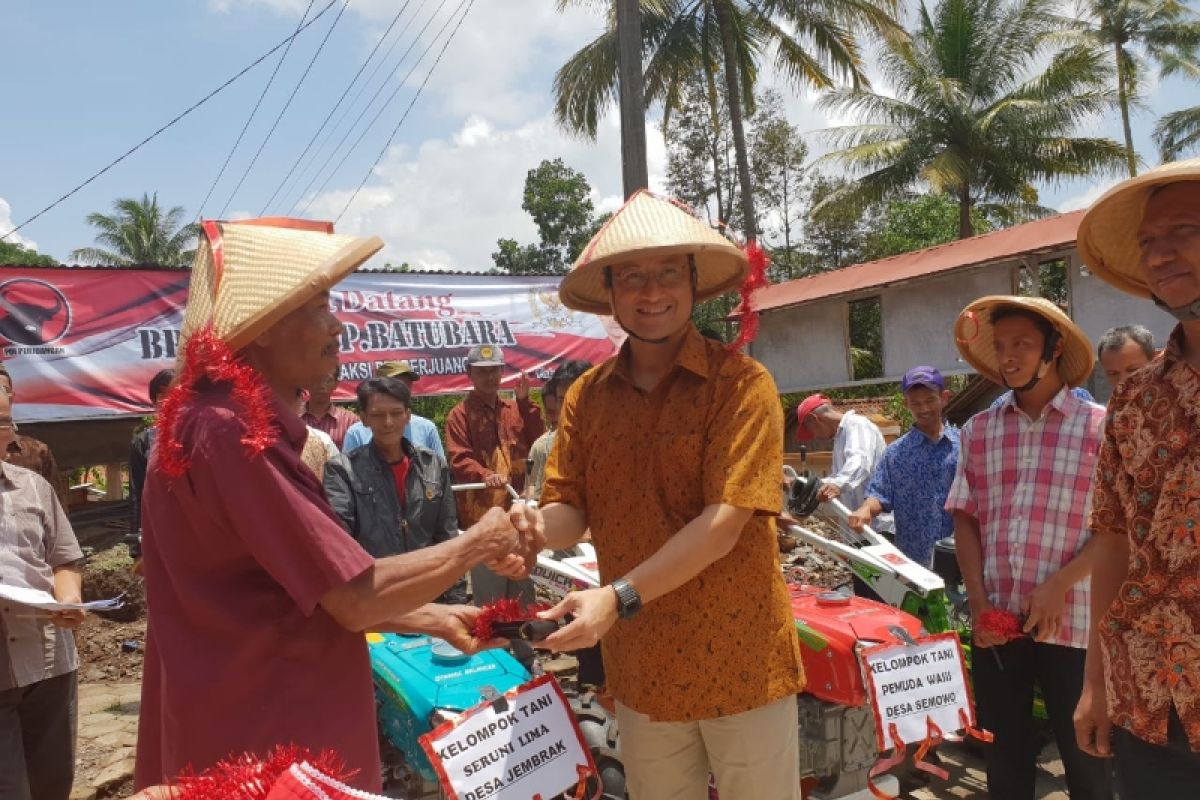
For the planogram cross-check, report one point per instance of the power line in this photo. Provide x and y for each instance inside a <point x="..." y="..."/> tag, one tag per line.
<point x="345" y="112"/>
<point x="417" y="96"/>
<point x="386" y="104"/>
<point x="367" y="107"/>
<point x="253" y="111"/>
<point x="286" y="106"/>
<point x="333" y="110"/>
<point x="154" y="135"/>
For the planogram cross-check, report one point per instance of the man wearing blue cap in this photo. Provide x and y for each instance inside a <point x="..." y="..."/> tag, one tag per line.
<point x="914" y="476"/>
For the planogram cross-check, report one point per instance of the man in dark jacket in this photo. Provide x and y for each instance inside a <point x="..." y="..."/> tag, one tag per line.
<point x="139" y="458"/>
<point x="392" y="496"/>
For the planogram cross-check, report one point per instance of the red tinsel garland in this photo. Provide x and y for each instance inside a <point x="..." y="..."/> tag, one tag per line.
<point x="207" y="356"/>
<point x="248" y="777"/>
<point x="1001" y="623"/>
<point x="506" y="609"/>
<point x="756" y="279"/>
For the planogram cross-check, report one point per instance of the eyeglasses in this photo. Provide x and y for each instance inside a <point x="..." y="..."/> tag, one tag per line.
<point x="8" y="425"/>
<point x="668" y="277"/>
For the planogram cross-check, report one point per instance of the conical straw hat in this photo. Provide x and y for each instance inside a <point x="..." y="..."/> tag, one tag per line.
<point x="249" y="274"/>
<point x="1107" y="237"/>
<point x="973" y="335"/>
<point x="648" y="225"/>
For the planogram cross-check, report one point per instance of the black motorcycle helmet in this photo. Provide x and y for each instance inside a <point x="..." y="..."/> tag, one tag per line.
<point x="802" y="499"/>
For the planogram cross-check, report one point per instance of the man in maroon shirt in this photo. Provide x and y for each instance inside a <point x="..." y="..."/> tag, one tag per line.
<point x="488" y="439"/>
<point x="258" y="598"/>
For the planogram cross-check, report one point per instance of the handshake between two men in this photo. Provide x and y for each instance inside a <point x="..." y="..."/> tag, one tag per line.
<point x="396" y="594"/>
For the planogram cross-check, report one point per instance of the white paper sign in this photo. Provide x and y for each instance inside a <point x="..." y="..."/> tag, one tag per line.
<point x="910" y="685"/>
<point x="44" y="601"/>
<point x="532" y="749"/>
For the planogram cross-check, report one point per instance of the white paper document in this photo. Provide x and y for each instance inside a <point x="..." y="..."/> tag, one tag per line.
<point x="44" y="601"/>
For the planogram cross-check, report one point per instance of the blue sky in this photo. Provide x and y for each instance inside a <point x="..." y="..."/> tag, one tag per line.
<point x="83" y="81"/>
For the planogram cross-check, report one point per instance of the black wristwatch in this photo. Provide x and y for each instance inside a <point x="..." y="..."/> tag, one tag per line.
<point x="629" y="602"/>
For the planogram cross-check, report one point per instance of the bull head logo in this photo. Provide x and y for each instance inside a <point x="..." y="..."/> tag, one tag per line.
<point x="27" y="307"/>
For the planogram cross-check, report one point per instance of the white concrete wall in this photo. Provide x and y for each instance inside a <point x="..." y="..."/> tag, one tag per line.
<point x="804" y="347"/>
<point x="918" y="317"/>
<point x="1096" y="307"/>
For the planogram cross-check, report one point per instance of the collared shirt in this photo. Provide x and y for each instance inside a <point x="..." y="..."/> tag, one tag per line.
<point x="640" y="466"/>
<point x="1029" y="484"/>
<point x="912" y="481"/>
<point x="240" y="656"/>
<point x="335" y="422"/>
<point x="539" y="454"/>
<point x="34" y="454"/>
<point x="1148" y="487"/>
<point x="35" y="538"/>
<point x="1078" y="392"/>
<point x="483" y="439"/>
<point x="858" y="446"/>
<point x="420" y="431"/>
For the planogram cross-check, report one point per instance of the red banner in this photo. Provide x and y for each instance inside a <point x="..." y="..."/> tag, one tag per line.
<point x="83" y="343"/>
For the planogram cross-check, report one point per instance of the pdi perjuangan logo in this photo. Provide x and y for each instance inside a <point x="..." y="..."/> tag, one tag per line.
<point x="33" y="313"/>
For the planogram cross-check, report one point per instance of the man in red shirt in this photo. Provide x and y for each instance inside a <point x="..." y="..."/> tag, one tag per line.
<point x="258" y="598"/>
<point x="320" y="412"/>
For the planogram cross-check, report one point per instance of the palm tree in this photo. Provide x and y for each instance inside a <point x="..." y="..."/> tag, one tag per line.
<point x="140" y="232"/>
<point x="1177" y="132"/>
<point x="972" y="116"/>
<point x="1134" y="33"/>
<point x="814" y="44"/>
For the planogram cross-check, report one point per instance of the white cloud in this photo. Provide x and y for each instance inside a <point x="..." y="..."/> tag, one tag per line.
<point x="1088" y="196"/>
<point x="444" y="204"/>
<point x="7" y="224"/>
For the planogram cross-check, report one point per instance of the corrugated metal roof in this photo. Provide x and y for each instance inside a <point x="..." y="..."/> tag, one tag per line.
<point x="1032" y="237"/>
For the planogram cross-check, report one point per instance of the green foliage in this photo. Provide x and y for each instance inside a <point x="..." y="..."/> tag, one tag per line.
<point x="700" y="155"/>
<point x="984" y="106"/>
<point x="435" y="409"/>
<point x="1177" y="133"/>
<point x="709" y="316"/>
<point x="834" y="237"/>
<point x="913" y="223"/>
<point x="19" y="255"/>
<point x="866" y="338"/>
<point x="559" y="200"/>
<point x="140" y="232"/>
<point x="777" y="157"/>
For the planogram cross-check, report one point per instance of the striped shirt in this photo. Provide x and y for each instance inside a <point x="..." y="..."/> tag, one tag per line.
<point x="858" y="448"/>
<point x="1029" y="484"/>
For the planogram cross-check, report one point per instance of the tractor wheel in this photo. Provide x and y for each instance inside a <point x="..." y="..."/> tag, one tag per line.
<point x="599" y="729"/>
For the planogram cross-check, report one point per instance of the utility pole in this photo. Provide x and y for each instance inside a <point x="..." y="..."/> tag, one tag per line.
<point x="632" y="95"/>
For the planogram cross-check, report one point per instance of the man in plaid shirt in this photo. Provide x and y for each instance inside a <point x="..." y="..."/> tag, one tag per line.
<point x="1019" y="500"/>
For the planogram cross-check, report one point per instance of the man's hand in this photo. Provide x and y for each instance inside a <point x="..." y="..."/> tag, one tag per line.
<point x="595" y="612"/>
<point x="455" y="623"/>
<point x="1093" y="728"/>
<point x="528" y="520"/>
<point x="1043" y="610"/>
<point x="980" y="636"/>
<point x="496" y="480"/>
<point x="522" y="388"/>
<point x="68" y="619"/>
<point x="860" y="517"/>
<point x="828" y="491"/>
<point x="496" y="534"/>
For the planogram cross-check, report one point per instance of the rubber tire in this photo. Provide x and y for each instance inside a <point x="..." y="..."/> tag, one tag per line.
<point x="600" y="731"/>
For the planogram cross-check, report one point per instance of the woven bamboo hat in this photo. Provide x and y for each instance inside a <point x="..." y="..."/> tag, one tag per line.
<point x="649" y="225"/>
<point x="250" y="274"/>
<point x="973" y="334"/>
<point x="1107" y="237"/>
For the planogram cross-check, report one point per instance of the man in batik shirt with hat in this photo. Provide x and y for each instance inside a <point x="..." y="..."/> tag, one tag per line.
<point x="488" y="438"/>
<point x="258" y="598"/>
<point x="1019" y="499"/>
<point x="670" y="453"/>
<point x="1141" y="701"/>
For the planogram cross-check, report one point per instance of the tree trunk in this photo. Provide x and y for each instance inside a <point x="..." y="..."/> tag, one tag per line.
<point x="714" y="110"/>
<point x="1123" y="99"/>
<point x="965" y="228"/>
<point x="729" y="47"/>
<point x="632" y="92"/>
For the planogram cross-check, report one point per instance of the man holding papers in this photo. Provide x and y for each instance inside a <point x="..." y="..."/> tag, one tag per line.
<point x="38" y="551"/>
